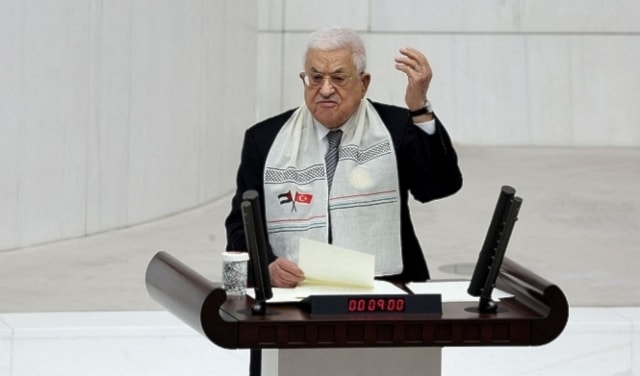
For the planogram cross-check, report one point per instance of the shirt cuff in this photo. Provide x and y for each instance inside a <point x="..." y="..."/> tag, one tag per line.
<point x="429" y="127"/>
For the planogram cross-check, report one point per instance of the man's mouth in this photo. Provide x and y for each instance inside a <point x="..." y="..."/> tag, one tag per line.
<point x="327" y="104"/>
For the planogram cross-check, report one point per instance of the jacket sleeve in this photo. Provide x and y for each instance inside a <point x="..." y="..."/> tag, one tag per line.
<point x="428" y="163"/>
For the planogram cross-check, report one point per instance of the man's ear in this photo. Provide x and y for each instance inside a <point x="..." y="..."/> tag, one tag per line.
<point x="366" y="80"/>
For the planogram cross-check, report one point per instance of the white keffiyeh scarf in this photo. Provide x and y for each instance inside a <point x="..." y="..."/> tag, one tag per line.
<point x="364" y="206"/>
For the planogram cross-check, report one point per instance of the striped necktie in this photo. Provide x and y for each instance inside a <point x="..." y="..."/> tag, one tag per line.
<point x="331" y="158"/>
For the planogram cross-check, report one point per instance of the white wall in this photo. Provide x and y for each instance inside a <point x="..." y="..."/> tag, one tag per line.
<point x="117" y="112"/>
<point x="506" y="72"/>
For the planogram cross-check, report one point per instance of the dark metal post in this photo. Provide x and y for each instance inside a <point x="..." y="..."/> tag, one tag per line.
<point x="255" y="362"/>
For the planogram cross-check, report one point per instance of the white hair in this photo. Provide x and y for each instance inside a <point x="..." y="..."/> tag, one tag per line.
<point x="336" y="38"/>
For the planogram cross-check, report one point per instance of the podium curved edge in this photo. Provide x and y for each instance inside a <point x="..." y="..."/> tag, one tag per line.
<point x="546" y="330"/>
<point x="223" y="331"/>
<point x="539" y="295"/>
<point x="190" y="297"/>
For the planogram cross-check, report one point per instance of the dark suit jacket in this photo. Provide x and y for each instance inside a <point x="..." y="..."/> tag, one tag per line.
<point x="427" y="167"/>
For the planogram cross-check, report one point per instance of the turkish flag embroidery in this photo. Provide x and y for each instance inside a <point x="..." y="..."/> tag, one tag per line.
<point x="304" y="198"/>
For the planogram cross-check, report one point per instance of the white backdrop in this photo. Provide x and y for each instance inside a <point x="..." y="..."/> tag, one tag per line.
<point x="118" y="112"/>
<point x="506" y="72"/>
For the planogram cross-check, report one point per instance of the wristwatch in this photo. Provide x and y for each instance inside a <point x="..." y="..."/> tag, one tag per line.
<point x="427" y="109"/>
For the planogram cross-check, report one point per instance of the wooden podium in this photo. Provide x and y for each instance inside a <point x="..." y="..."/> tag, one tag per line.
<point x="536" y="315"/>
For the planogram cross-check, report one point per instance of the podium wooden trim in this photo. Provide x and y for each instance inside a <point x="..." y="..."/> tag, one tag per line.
<point x="536" y="315"/>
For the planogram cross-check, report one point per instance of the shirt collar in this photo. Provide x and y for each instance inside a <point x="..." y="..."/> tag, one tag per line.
<point x="321" y="130"/>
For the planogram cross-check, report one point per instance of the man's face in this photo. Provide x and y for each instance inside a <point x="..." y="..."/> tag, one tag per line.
<point x="333" y="104"/>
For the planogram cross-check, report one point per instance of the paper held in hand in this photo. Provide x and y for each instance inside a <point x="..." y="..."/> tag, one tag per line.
<point x="327" y="264"/>
<point x="331" y="270"/>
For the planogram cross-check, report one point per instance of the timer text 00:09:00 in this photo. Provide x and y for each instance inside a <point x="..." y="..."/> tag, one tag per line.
<point x="395" y="304"/>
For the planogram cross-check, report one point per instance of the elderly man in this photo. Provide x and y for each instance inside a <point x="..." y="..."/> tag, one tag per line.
<point x="339" y="167"/>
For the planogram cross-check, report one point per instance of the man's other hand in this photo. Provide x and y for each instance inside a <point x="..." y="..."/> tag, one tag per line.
<point x="285" y="273"/>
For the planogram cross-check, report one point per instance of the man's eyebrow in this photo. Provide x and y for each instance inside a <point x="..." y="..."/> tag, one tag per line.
<point x="337" y="70"/>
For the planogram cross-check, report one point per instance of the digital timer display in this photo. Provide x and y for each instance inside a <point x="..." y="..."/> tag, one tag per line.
<point x="389" y="304"/>
<point x="373" y="304"/>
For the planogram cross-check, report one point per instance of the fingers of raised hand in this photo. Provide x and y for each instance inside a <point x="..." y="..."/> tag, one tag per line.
<point x="413" y="63"/>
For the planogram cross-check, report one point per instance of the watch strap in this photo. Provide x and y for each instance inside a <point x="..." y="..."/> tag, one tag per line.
<point x="422" y="111"/>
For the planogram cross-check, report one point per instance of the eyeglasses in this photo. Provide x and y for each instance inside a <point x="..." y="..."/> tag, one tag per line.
<point x="317" y="79"/>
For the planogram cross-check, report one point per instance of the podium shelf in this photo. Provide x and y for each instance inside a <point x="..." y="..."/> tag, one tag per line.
<point x="536" y="315"/>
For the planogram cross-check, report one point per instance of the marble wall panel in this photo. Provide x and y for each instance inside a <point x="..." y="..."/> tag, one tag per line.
<point x="491" y="89"/>
<point x="551" y="114"/>
<point x="270" y="75"/>
<point x="108" y="132"/>
<point x="270" y="15"/>
<point x="506" y="72"/>
<point x="11" y="117"/>
<point x="308" y="15"/>
<point x="576" y="16"/>
<point x="604" y="89"/>
<point x="236" y="95"/>
<point x="511" y="16"/>
<point x="48" y="136"/>
<point x="292" y="87"/>
<point x="436" y="16"/>
<point x="167" y="71"/>
<point x="119" y="112"/>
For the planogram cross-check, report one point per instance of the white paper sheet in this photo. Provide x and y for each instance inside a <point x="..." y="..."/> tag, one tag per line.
<point x="329" y="264"/>
<point x="451" y="291"/>
<point x="296" y="294"/>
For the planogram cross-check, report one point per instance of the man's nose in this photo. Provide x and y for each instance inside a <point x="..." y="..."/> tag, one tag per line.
<point x="326" y="88"/>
